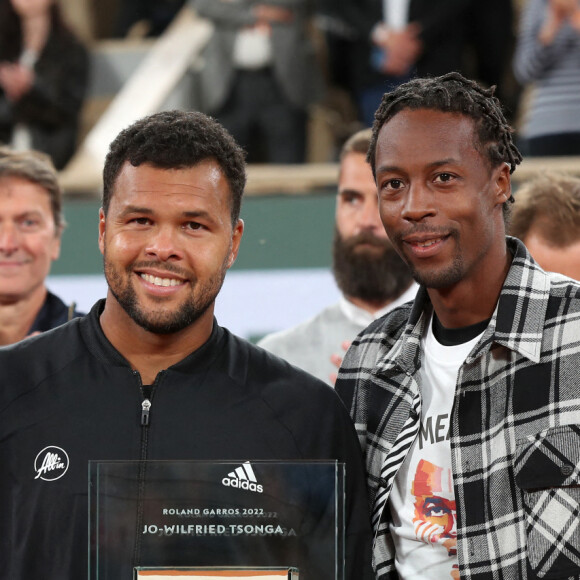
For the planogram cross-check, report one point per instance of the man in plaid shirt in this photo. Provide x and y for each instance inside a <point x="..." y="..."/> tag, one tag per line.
<point x="466" y="401"/>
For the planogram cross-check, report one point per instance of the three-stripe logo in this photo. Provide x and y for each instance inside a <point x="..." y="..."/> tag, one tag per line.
<point x="243" y="477"/>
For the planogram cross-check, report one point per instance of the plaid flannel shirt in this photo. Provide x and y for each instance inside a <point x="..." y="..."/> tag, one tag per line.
<point x="514" y="430"/>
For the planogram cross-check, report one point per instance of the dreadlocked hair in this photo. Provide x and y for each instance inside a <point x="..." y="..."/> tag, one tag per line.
<point x="453" y="93"/>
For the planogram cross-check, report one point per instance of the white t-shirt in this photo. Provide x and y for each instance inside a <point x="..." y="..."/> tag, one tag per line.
<point x="422" y="501"/>
<point x="253" y="48"/>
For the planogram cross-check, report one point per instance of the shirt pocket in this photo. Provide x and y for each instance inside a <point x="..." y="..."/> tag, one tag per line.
<point x="548" y="474"/>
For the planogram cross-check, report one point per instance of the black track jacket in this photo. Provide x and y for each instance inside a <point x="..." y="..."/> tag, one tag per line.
<point x="69" y="388"/>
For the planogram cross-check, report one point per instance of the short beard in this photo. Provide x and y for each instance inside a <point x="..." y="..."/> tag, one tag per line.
<point x="443" y="278"/>
<point x="438" y="279"/>
<point x="373" y="276"/>
<point x="160" y="323"/>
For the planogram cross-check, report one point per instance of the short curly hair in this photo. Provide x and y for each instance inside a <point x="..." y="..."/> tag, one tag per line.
<point x="177" y="140"/>
<point x="453" y="93"/>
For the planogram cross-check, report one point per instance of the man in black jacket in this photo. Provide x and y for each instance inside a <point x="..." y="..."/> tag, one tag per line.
<point x="149" y="375"/>
<point x="31" y="225"/>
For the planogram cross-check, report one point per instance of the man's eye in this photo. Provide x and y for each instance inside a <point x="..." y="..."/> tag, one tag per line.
<point x="436" y="512"/>
<point x="193" y="225"/>
<point x="393" y="184"/>
<point x="444" y="177"/>
<point x="350" y="198"/>
<point x="30" y="223"/>
<point x="141" y="221"/>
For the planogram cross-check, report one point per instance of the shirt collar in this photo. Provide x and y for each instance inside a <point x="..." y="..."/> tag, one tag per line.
<point x="363" y="317"/>
<point x="53" y="312"/>
<point x="517" y="322"/>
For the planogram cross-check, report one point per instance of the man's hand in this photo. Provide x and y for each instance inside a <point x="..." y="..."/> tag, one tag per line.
<point x="16" y="80"/>
<point x="268" y="14"/>
<point x="575" y="19"/>
<point x="562" y="8"/>
<point x="336" y="360"/>
<point x="559" y="11"/>
<point x="402" y="48"/>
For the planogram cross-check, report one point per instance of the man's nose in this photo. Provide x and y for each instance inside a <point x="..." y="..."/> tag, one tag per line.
<point x="9" y="238"/>
<point x="164" y="244"/>
<point x="369" y="218"/>
<point x="418" y="203"/>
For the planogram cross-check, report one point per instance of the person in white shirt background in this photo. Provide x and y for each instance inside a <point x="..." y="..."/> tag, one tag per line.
<point x="369" y="273"/>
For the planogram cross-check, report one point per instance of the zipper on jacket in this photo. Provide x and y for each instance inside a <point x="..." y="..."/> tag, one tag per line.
<point x="145" y="407"/>
<point x="146" y="414"/>
<point x="142" y="470"/>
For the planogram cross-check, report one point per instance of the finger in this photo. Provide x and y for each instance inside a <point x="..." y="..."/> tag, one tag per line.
<point x="336" y="360"/>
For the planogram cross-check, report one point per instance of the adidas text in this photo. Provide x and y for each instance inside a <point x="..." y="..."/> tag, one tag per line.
<point x="243" y="484"/>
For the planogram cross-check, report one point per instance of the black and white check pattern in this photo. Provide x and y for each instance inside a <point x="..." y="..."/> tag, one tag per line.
<point x="515" y="426"/>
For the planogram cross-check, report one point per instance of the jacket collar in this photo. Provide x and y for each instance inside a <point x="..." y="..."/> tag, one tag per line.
<point x="100" y="346"/>
<point x="54" y="312"/>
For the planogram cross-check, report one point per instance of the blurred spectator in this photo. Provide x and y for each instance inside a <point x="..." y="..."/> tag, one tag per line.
<point x="338" y="36"/>
<point x="490" y="54"/>
<point x="548" y="55"/>
<point x="31" y="225"/>
<point x="156" y="14"/>
<point x="546" y="217"/>
<point x="396" y="39"/>
<point x="260" y="74"/>
<point x="370" y="274"/>
<point x="43" y="78"/>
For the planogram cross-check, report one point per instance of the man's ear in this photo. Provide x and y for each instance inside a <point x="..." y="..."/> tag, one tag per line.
<point x="102" y="231"/>
<point x="55" y="244"/>
<point x="236" y="239"/>
<point x="502" y="184"/>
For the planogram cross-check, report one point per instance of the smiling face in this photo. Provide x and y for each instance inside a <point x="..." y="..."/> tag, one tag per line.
<point x="439" y="200"/>
<point x="29" y="239"/>
<point x="167" y="242"/>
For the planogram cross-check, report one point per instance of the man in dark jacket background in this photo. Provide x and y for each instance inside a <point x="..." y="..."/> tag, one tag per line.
<point x="31" y="225"/>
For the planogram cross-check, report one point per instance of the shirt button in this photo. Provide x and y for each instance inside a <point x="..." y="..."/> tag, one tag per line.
<point x="566" y="470"/>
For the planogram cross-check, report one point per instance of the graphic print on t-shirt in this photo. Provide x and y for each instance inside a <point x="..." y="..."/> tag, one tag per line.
<point x="435" y="514"/>
<point x="422" y="501"/>
<point x="423" y="508"/>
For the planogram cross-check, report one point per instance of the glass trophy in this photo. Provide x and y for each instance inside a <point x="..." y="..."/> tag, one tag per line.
<point x="157" y="520"/>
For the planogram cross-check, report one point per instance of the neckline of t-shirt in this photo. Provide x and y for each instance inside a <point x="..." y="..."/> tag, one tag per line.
<point x="456" y="336"/>
<point x="447" y="355"/>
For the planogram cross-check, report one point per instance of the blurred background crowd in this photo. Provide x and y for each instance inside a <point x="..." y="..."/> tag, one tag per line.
<point x="292" y="79"/>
